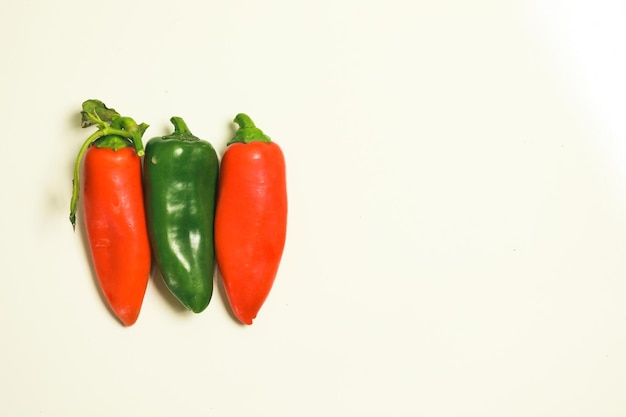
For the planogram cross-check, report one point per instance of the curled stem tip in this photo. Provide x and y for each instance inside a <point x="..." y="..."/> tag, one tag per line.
<point x="244" y="121"/>
<point x="180" y="127"/>
<point x="248" y="132"/>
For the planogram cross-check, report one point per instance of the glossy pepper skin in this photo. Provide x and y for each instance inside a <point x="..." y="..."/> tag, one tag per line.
<point x="251" y="218"/>
<point x="180" y="177"/>
<point x="114" y="213"/>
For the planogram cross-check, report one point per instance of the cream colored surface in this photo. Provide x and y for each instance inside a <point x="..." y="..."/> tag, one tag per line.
<point x="457" y="231"/>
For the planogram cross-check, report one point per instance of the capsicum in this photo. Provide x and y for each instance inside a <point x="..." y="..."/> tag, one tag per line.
<point x="180" y="177"/>
<point x="113" y="205"/>
<point x="251" y="218"/>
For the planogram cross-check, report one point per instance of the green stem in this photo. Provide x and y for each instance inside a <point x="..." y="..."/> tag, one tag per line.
<point x="121" y="126"/>
<point x="130" y="130"/>
<point x="180" y="127"/>
<point x="76" y="180"/>
<point x="181" y="131"/>
<point x="244" y="121"/>
<point x="248" y="132"/>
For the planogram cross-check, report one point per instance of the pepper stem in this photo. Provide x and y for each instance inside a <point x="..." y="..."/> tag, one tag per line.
<point x="124" y="127"/>
<point x="132" y="131"/>
<point x="180" y="127"/>
<point x="181" y="131"/>
<point x="248" y="132"/>
<point x="244" y="121"/>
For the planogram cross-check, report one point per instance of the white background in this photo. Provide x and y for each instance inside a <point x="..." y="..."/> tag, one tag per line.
<point x="457" y="186"/>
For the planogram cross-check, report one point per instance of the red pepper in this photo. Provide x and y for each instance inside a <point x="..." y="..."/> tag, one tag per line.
<point x="251" y="218"/>
<point x="114" y="211"/>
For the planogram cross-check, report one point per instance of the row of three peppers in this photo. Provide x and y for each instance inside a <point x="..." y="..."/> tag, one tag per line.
<point x="186" y="210"/>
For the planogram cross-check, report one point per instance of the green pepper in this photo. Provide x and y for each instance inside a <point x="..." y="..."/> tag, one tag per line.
<point x="180" y="175"/>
